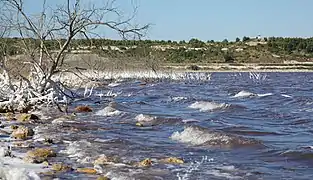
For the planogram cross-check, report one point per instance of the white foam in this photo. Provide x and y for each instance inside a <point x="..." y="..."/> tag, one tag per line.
<point x="195" y="136"/>
<point x="108" y="111"/>
<point x="7" y="173"/>
<point x="144" y="118"/>
<point x="113" y="84"/>
<point x="17" y="169"/>
<point x="185" y="173"/>
<point x="286" y="96"/>
<point x="208" y="106"/>
<point x="189" y="120"/>
<point x="76" y="151"/>
<point x="4" y="151"/>
<point x="222" y="174"/>
<point x="179" y="98"/>
<point x="264" y="95"/>
<point x="60" y="120"/>
<point x="243" y="94"/>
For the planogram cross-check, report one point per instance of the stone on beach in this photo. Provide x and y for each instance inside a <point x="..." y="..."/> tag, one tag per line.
<point x="39" y="155"/>
<point x="26" y="117"/>
<point x="145" y="163"/>
<point x="86" y="170"/>
<point x="22" y="132"/>
<point x="82" y="109"/>
<point x="103" y="178"/>
<point x="172" y="160"/>
<point x="61" y="167"/>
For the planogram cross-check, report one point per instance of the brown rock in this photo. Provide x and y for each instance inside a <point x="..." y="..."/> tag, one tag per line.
<point x="26" y="117"/>
<point x="39" y="155"/>
<point x="103" y="178"/>
<point x="81" y="109"/>
<point x="145" y="163"/>
<point x="9" y="116"/>
<point x="61" y="167"/>
<point x="13" y="127"/>
<point x="22" y="132"/>
<point x="172" y="160"/>
<point x="86" y="170"/>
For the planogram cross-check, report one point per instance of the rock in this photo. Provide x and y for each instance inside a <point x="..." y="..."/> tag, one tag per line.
<point x="39" y="155"/>
<point x="45" y="163"/>
<point x="6" y="109"/>
<point x="26" y="117"/>
<point x="48" y="141"/>
<point x="172" y="160"/>
<point x="9" y="116"/>
<point x="81" y="109"/>
<point x="13" y="127"/>
<point x="103" y="178"/>
<point x="22" y="132"/>
<point x="5" y="152"/>
<point x="139" y="124"/>
<point x="86" y="170"/>
<point x="61" y="167"/>
<point x="145" y="163"/>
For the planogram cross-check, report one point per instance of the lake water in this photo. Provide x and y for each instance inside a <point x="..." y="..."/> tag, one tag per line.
<point x="233" y="126"/>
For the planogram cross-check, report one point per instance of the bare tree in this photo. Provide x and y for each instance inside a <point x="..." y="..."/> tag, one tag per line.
<point x="61" y="23"/>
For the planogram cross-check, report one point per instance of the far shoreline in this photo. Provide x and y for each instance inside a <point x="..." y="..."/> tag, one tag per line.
<point x="242" y="67"/>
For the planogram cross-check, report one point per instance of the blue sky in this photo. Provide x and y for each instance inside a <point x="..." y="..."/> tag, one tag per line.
<point x="220" y="19"/>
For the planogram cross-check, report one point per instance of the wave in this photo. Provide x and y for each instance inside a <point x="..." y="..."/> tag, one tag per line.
<point x="199" y="136"/>
<point x="303" y="155"/>
<point x="147" y="120"/>
<point x="108" y="111"/>
<point x="77" y="150"/>
<point x="286" y="95"/>
<point x="208" y="106"/>
<point x="178" y="98"/>
<point x="245" y="94"/>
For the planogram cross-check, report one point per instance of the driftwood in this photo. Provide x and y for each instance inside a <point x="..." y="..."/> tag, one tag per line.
<point x="42" y="84"/>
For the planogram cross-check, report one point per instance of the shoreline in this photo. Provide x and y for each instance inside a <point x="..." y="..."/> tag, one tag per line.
<point x="242" y="67"/>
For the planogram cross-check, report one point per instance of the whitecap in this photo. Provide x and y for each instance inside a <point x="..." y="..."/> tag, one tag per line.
<point x="179" y="98"/>
<point x="243" y="94"/>
<point x="286" y="96"/>
<point x="113" y="84"/>
<point x="4" y="151"/>
<point x="208" y="106"/>
<point x="17" y="169"/>
<point x="222" y="174"/>
<point x="76" y="151"/>
<point x="8" y="173"/>
<point x="189" y="120"/>
<point x="108" y="111"/>
<point x="145" y="118"/>
<point x="60" y="120"/>
<point x="264" y="95"/>
<point x="195" y="135"/>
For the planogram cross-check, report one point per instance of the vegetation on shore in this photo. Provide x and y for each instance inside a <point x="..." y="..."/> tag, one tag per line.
<point x="247" y="50"/>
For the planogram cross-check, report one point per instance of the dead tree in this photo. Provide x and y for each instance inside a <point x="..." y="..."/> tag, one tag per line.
<point x="60" y="23"/>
